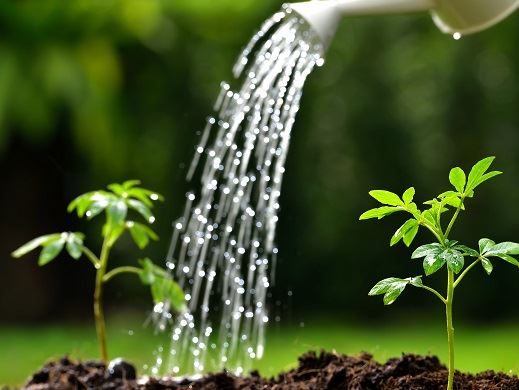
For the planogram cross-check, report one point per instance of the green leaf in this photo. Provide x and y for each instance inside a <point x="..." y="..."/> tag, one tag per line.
<point x="386" y="197"/>
<point x="508" y="258"/>
<point x="117" y="189"/>
<point x="432" y="263"/>
<point x="50" y="250"/>
<point x="429" y="216"/>
<point x="485" y="244"/>
<point x="142" y="209"/>
<point x="427" y="250"/>
<point x="408" y="195"/>
<point x="487" y="176"/>
<point x="454" y="259"/>
<point x="166" y="290"/>
<point x="117" y="213"/>
<point x="410" y="235"/>
<point x="379" y="212"/>
<point x="507" y="248"/>
<point x="141" y="234"/>
<point x="466" y="251"/>
<point x="402" y="230"/>
<point x="454" y="201"/>
<point x="128" y="184"/>
<point x="393" y="287"/>
<point x="447" y="194"/>
<point x="458" y="179"/>
<point x="33" y="244"/>
<point x="487" y="265"/>
<point x="75" y="245"/>
<point x="477" y="172"/>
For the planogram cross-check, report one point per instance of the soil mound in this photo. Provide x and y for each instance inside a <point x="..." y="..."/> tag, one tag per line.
<point x="325" y="370"/>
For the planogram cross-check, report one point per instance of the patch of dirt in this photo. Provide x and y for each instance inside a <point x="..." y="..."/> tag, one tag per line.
<point x="327" y="371"/>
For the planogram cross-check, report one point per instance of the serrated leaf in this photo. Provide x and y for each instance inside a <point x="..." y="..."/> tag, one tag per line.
<point x="477" y="172"/>
<point x="507" y="248"/>
<point x="379" y="212"/>
<point x="485" y="244"/>
<point x="487" y="265"/>
<point x="51" y="250"/>
<point x="386" y="197"/>
<point x="432" y="263"/>
<point x="426" y="250"/>
<point x="454" y="259"/>
<point x="402" y="230"/>
<point x="410" y="235"/>
<point x="33" y="244"/>
<point x="408" y="195"/>
<point x="465" y="250"/>
<point x="457" y="178"/>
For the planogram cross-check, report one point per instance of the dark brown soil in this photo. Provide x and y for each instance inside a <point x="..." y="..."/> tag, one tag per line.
<point x="315" y="371"/>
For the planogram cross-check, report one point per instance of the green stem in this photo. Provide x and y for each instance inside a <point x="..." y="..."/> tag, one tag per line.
<point x="98" y="301"/>
<point x="454" y="217"/>
<point x="90" y="255"/>
<point x="120" y="270"/>
<point x="450" y="328"/>
<point x="465" y="272"/>
<point x="435" y="293"/>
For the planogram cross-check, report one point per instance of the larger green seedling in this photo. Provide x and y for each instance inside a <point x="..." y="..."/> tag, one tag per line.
<point x="116" y="205"/>
<point x="445" y="251"/>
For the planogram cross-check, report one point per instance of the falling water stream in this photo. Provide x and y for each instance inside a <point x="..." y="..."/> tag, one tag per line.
<point x="223" y="251"/>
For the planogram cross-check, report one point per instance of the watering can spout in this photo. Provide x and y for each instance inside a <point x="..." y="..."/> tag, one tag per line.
<point x="451" y="16"/>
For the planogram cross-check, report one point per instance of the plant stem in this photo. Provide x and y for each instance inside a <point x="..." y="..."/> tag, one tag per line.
<point x="120" y="270"/>
<point x="454" y="217"/>
<point x="98" y="301"/>
<point x="90" y="255"/>
<point x="435" y="293"/>
<point x="466" y="271"/>
<point x="450" y="328"/>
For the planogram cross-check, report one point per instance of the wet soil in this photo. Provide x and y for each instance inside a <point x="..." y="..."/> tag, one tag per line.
<point x="315" y="371"/>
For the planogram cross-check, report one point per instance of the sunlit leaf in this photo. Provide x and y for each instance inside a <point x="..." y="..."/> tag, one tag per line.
<point x="379" y="212"/>
<point x="432" y="263"/>
<point x="485" y="244"/>
<point x="402" y="230"/>
<point x="410" y="235"/>
<point x="477" y="172"/>
<point x="457" y="178"/>
<point x="386" y="197"/>
<point x="455" y="260"/>
<point x="393" y="287"/>
<point x="408" y="195"/>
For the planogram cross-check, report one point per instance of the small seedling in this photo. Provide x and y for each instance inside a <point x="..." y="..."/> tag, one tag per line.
<point x="445" y="251"/>
<point x="116" y="205"/>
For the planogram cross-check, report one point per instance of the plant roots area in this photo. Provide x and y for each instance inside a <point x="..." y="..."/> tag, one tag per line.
<point x="315" y="371"/>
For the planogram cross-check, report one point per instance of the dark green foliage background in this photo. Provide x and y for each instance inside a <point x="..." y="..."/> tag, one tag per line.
<point x="93" y="92"/>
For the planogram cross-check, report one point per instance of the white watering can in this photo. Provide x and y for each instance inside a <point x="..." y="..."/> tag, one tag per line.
<point x="457" y="17"/>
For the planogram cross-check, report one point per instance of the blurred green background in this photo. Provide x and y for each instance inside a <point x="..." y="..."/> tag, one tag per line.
<point x="93" y="92"/>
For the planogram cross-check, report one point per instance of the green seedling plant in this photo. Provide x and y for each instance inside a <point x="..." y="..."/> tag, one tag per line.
<point x="117" y="204"/>
<point x="444" y="251"/>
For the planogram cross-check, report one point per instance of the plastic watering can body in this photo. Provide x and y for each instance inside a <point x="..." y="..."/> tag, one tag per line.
<point x="451" y="16"/>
